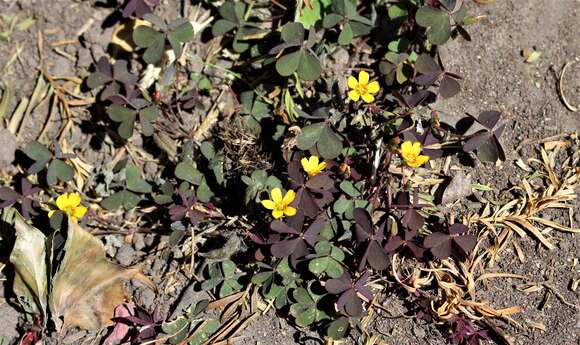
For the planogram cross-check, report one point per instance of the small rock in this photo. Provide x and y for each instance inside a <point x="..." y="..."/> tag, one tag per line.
<point x="7" y="149"/>
<point x="139" y="241"/>
<point x="146" y="297"/>
<point x="419" y="332"/>
<point x="125" y="255"/>
<point x="460" y="187"/>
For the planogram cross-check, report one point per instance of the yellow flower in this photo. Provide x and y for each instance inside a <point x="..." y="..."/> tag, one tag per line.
<point x="361" y="88"/>
<point x="279" y="205"/>
<point x="312" y="166"/>
<point x="411" y="153"/>
<point x="70" y="203"/>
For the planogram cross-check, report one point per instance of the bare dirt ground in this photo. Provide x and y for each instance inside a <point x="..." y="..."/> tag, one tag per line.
<point x="495" y="77"/>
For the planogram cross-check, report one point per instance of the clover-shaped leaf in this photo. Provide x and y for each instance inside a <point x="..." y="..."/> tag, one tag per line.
<point x="306" y="311"/>
<point x="303" y="61"/>
<point x="113" y="77"/>
<point x="176" y="33"/>
<point x="328" y="259"/>
<point x="437" y="23"/>
<point x="58" y="170"/>
<point x="455" y="241"/>
<point x="127" y="110"/>
<point x="486" y="141"/>
<point x="321" y="137"/>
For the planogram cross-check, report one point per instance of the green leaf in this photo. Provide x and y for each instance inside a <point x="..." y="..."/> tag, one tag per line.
<point x="183" y="33"/>
<point x="207" y="150"/>
<point x="329" y="144"/>
<point x="260" y="278"/>
<point x="221" y="27"/>
<point x="337" y="329"/>
<point x="204" y="193"/>
<point x="330" y="20"/>
<point x="288" y="64"/>
<point x="437" y="23"/>
<point x="396" y="11"/>
<point x="154" y="53"/>
<point x="293" y="32"/>
<point x="187" y="172"/>
<point x="177" y="329"/>
<point x="123" y="198"/>
<point x="119" y="113"/>
<point x="59" y="170"/>
<point x="305" y="314"/>
<point x="349" y="188"/>
<point x="309" y="136"/>
<point x="318" y="265"/>
<point x="308" y="16"/>
<point x="346" y="35"/>
<point x="38" y="152"/>
<point x="147" y="116"/>
<point x="145" y="37"/>
<point x="334" y="269"/>
<point x="201" y="335"/>
<point x="309" y="68"/>
<point x="134" y="181"/>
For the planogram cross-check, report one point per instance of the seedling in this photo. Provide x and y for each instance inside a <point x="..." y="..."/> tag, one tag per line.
<point x="486" y="141"/>
<point x="302" y="61"/>
<point x="58" y="170"/>
<point x="454" y="241"/>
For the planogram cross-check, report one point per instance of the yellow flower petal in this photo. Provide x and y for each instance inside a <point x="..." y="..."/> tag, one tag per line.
<point x="354" y="95"/>
<point x="406" y="147"/>
<point x="79" y="212"/>
<point x="276" y="195"/>
<point x="305" y="164"/>
<point x="277" y="214"/>
<point x="268" y="204"/>
<point x="352" y="82"/>
<point x="74" y="199"/>
<point x="368" y="98"/>
<point x="321" y="166"/>
<point x="289" y="197"/>
<point x="290" y="211"/>
<point x="62" y="201"/>
<point x="363" y="77"/>
<point x="51" y="213"/>
<point x="313" y="161"/>
<point x="416" y="150"/>
<point x="422" y="160"/>
<point x="373" y="87"/>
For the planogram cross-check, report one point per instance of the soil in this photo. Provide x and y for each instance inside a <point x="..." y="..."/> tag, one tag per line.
<point x="495" y="78"/>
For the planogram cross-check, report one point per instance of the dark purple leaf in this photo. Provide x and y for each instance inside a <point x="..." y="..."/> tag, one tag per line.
<point x="393" y="244"/>
<point x="350" y="304"/>
<point x="338" y="285"/>
<point x="449" y="87"/>
<point x="436" y="239"/>
<point x="465" y="242"/>
<point x="457" y="229"/>
<point x="442" y="251"/>
<point x="425" y="64"/>
<point x="427" y="79"/>
<point x="363" y="220"/>
<point x="285" y="248"/>
<point x="412" y="219"/>
<point x="307" y="203"/>
<point x="489" y="151"/>
<point x="320" y="181"/>
<point x="295" y="172"/>
<point x="8" y="194"/>
<point x="476" y="141"/>
<point x="282" y="228"/>
<point x="489" y="119"/>
<point x="376" y="256"/>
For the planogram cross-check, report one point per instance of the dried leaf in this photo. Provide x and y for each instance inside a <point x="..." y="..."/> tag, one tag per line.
<point x="29" y="260"/>
<point x="87" y="287"/>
